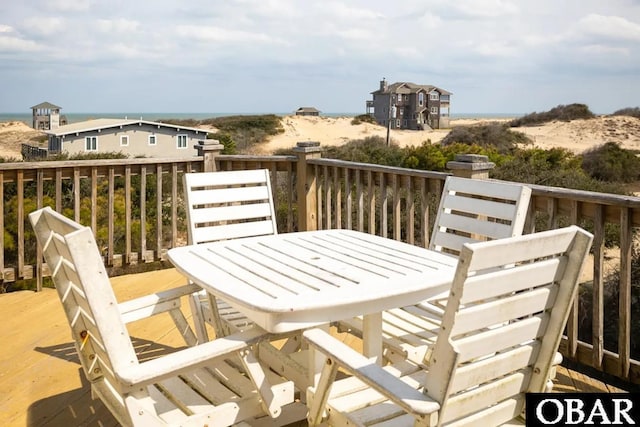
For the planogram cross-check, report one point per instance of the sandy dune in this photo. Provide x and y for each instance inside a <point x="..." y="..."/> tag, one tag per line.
<point x="576" y="135"/>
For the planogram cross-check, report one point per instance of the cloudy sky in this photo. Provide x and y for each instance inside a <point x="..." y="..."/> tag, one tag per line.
<point x="256" y="56"/>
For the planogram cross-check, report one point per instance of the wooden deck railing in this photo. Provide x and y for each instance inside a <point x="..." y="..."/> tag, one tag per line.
<point x="135" y="208"/>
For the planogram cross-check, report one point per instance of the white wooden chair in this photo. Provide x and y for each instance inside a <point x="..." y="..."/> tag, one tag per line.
<point x="208" y="384"/>
<point x="502" y="325"/>
<point x="220" y="206"/>
<point x="231" y="205"/>
<point x="470" y="211"/>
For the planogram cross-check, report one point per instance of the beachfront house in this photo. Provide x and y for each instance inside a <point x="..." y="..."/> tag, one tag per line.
<point x="307" y="111"/>
<point x="46" y="116"/>
<point x="404" y="105"/>
<point x="132" y="137"/>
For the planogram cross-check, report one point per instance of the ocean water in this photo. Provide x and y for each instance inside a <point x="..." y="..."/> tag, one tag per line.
<point x="80" y="117"/>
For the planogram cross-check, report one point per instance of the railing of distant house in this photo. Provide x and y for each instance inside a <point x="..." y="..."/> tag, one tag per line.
<point x="32" y="152"/>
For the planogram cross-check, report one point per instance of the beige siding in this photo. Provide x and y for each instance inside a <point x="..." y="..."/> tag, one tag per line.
<point x="109" y="141"/>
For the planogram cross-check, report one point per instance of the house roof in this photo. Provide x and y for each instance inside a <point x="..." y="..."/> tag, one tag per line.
<point x="98" y="124"/>
<point x="308" y="110"/>
<point x="408" y="87"/>
<point x="46" y="105"/>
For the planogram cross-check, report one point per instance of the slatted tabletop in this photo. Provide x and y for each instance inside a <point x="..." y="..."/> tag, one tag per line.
<point x="294" y="281"/>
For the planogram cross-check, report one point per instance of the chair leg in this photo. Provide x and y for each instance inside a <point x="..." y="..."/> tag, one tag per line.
<point x="198" y="318"/>
<point x="184" y="328"/>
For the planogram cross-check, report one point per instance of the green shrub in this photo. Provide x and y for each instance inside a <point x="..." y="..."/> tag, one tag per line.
<point x="497" y="135"/>
<point x="363" y="118"/>
<point x="373" y="149"/>
<point x="631" y="111"/>
<point x="226" y="140"/>
<point x="561" y="112"/>
<point x="610" y="162"/>
<point x="434" y="157"/>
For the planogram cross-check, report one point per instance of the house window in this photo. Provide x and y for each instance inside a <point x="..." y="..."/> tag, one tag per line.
<point x="434" y="110"/>
<point x="433" y="96"/>
<point x="152" y="140"/>
<point x="124" y="140"/>
<point x="181" y="141"/>
<point x="91" y="143"/>
<point x="406" y="123"/>
<point x="421" y="99"/>
<point x="398" y="123"/>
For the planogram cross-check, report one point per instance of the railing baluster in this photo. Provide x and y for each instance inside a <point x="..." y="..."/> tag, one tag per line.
<point x="411" y="211"/>
<point x="94" y="200"/>
<point x="39" y="196"/>
<point x="20" y="218"/>
<point x="174" y="205"/>
<point x="159" y="201"/>
<point x="598" y="288"/>
<point x="76" y="194"/>
<point x="397" y="215"/>
<point x="320" y="188"/>
<point x="143" y="214"/>
<point x="127" y="215"/>
<point x="58" y="190"/>
<point x="384" y="205"/>
<point x="111" y="213"/>
<point x="624" y="308"/>
<point x="572" y="321"/>
<point x="371" y="202"/>
<point x="359" y="200"/>
<point x="337" y="185"/>
<point x="348" y="191"/>
<point x="424" y="212"/>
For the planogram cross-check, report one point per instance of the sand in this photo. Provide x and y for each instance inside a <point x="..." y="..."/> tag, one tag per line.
<point x="576" y="135"/>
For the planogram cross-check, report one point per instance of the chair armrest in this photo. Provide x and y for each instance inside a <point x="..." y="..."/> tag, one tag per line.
<point x="408" y="398"/>
<point x="170" y="365"/>
<point x="150" y="305"/>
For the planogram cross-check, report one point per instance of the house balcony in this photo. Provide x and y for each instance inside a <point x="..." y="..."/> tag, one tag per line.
<point x="135" y="208"/>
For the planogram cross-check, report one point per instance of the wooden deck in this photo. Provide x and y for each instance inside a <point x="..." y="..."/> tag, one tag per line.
<point x="41" y="382"/>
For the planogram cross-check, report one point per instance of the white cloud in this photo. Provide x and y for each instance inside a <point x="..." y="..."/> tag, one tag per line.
<point x="6" y="29"/>
<point x="120" y="26"/>
<point x="484" y="8"/>
<point x="609" y="27"/>
<point x="68" y="5"/>
<point x="223" y="35"/>
<point x="44" y="25"/>
<point x="15" y="44"/>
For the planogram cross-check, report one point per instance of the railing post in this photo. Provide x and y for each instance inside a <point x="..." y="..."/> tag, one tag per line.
<point x="306" y="185"/>
<point x="209" y="149"/>
<point x="474" y="166"/>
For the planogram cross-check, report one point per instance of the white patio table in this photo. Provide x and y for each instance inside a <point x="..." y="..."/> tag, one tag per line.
<point x="294" y="281"/>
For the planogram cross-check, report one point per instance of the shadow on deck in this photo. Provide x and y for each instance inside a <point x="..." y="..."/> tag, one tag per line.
<point x="40" y="375"/>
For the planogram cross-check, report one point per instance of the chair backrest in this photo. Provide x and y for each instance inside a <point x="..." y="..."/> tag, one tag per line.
<point x="81" y="281"/>
<point x="503" y="323"/>
<point x="229" y="205"/>
<point x="473" y="210"/>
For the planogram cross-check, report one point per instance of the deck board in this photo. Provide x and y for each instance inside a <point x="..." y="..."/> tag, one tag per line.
<point x="41" y="382"/>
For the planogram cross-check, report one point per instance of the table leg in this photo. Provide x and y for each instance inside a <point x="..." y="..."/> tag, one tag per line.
<point x="372" y="336"/>
<point x="316" y="361"/>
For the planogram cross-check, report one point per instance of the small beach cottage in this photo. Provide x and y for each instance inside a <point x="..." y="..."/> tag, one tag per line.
<point x="307" y="111"/>
<point x="404" y="105"/>
<point x="132" y="137"/>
